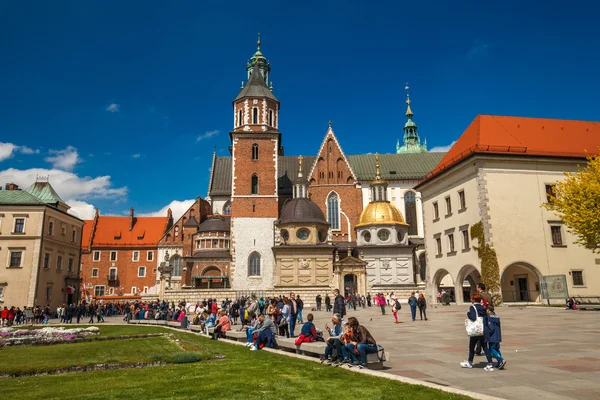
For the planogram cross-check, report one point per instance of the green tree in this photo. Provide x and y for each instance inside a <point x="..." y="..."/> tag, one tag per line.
<point x="490" y="269"/>
<point x="576" y="200"/>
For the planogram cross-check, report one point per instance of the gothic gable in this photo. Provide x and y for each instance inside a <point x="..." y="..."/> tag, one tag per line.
<point x="331" y="167"/>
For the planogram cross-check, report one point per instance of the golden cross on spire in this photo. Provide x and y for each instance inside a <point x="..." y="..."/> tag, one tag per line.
<point x="407" y="94"/>
<point x="377" y="174"/>
<point x="258" y="41"/>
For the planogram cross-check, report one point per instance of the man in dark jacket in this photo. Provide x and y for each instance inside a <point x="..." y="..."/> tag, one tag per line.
<point x="339" y="307"/>
<point x="485" y="300"/>
<point x="327" y="303"/>
<point x="293" y="313"/>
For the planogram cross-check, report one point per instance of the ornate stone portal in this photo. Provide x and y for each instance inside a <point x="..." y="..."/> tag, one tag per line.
<point x="350" y="276"/>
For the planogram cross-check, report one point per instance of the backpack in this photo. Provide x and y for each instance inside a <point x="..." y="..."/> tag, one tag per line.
<point x="397" y="305"/>
<point x="246" y="314"/>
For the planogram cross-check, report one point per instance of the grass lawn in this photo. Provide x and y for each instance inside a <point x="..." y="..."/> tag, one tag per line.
<point x="241" y="375"/>
<point x="47" y="358"/>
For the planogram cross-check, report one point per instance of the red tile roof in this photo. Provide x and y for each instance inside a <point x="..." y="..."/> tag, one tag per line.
<point x="114" y="231"/>
<point x="493" y="134"/>
<point x="85" y="234"/>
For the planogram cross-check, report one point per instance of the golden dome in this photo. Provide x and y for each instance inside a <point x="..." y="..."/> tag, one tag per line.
<point x="380" y="212"/>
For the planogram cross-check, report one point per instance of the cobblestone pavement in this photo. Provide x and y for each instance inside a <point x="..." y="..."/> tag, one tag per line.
<point x="551" y="353"/>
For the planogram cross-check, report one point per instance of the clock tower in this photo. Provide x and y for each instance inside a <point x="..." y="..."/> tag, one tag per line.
<point x="256" y="146"/>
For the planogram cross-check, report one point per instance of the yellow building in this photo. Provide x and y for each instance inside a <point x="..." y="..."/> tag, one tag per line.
<point x="40" y="248"/>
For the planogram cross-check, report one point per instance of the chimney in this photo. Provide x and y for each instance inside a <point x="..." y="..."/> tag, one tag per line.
<point x="11" y="186"/>
<point x="131" y="218"/>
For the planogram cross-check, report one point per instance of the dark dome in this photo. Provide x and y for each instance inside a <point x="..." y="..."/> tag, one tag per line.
<point x="215" y="224"/>
<point x="301" y="210"/>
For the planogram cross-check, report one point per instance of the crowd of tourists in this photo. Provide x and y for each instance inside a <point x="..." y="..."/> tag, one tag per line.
<point x="25" y="316"/>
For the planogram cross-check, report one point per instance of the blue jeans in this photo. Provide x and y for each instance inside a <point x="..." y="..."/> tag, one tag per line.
<point x="293" y="319"/>
<point x="300" y="319"/>
<point x="495" y="351"/>
<point x="249" y="333"/>
<point x="413" y="311"/>
<point x="363" y="350"/>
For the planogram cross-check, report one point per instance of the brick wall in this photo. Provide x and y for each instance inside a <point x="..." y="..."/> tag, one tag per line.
<point x="127" y="270"/>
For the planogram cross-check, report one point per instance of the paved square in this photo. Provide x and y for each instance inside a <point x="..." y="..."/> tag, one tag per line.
<point x="551" y="353"/>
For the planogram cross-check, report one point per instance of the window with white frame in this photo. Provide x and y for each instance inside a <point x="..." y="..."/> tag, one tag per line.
<point x="16" y="258"/>
<point x="141" y="272"/>
<point x="333" y="211"/>
<point x="99" y="290"/>
<point x="96" y="255"/>
<point x="46" y="260"/>
<point x="556" y="232"/>
<point x="448" y="206"/>
<point x="50" y="228"/>
<point x="461" y="200"/>
<point x="113" y="256"/>
<point x="136" y="255"/>
<point x="94" y="272"/>
<point x="577" y="276"/>
<point x="145" y="289"/>
<point x="19" y="225"/>
<point x="133" y="290"/>
<point x="70" y="267"/>
<point x="111" y="291"/>
<point x="74" y="235"/>
<point x="150" y="256"/>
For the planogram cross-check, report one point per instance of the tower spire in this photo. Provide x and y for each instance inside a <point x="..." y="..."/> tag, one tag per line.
<point x="300" y="183"/>
<point x="411" y="143"/>
<point x="258" y="41"/>
<point x="377" y="173"/>
<point x="409" y="113"/>
<point x="379" y="185"/>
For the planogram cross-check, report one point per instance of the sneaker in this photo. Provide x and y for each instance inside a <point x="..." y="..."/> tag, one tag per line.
<point x="501" y="365"/>
<point x="362" y="366"/>
<point x="466" y="364"/>
<point x="489" y="368"/>
<point x="322" y="358"/>
<point x="253" y="348"/>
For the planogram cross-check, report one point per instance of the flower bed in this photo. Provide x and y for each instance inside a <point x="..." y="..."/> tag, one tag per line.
<point x="16" y="337"/>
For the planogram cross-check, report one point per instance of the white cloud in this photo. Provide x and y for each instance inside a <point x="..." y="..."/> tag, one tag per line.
<point x="64" y="159"/>
<point x="113" y="108"/>
<point x="81" y="209"/>
<point x="6" y="150"/>
<point x="28" y="150"/>
<point x="207" y="135"/>
<point x="137" y="155"/>
<point x="442" y="149"/>
<point x="176" y="206"/>
<point x="68" y="185"/>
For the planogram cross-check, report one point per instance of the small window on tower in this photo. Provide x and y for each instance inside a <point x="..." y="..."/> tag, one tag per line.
<point x="255" y="151"/>
<point x="240" y="119"/>
<point x="254" y="184"/>
<point x="270" y="117"/>
<point x="255" y="115"/>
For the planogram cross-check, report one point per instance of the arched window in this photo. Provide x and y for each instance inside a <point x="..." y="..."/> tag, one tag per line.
<point x="254" y="264"/>
<point x="255" y="151"/>
<point x="255" y="115"/>
<point x="270" y="117"/>
<point x="410" y="208"/>
<point x="240" y="118"/>
<point x="227" y="208"/>
<point x="176" y="230"/>
<point x="333" y="211"/>
<point x="177" y="264"/>
<point x="254" y="184"/>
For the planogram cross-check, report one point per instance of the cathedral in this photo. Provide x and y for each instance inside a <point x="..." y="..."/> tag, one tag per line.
<point x="273" y="223"/>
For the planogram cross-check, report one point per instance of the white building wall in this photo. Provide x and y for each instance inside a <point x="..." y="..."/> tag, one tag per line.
<point x="250" y="235"/>
<point x="395" y="194"/>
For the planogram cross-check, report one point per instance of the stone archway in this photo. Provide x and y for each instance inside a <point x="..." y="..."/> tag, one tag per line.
<point x="520" y="282"/>
<point x="442" y="281"/>
<point x="470" y="275"/>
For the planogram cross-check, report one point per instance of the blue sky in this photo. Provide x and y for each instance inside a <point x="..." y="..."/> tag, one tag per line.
<point x="121" y="103"/>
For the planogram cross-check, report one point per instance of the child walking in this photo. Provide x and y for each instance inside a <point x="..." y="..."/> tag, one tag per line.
<point x="395" y="308"/>
<point x="493" y="335"/>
